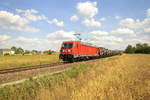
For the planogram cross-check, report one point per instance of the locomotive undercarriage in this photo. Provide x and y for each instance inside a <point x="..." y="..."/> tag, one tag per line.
<point x="72" y="58"/>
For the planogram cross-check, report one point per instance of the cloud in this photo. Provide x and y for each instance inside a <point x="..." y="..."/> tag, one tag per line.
<point x="30" y="14"/>
<point x="56" y="22"/>
<point x="4" y="37"/>
<point x="138" y="25"/>
<point x="87" y="9"/>
<point x="27" y="11"/>
<point x="15" y="22"/>
<point x="27" y="29"/>
<point x="123" y="31"/>
<point x="135" y="24"/>
<point x="147" y="30"/>
<point x="91" y="23"/>
<point x="74" y="18"/>
<point x="61" y="35"/>
<point x="7" y="17"/>
<point x="31" y="43"/>
<point x="148" y="12"/>
<point x="133" y="41"/>
<point x="107" y="41"/>
<point x="102" y="19"/>
<point x="99" y="33"/>
<point x="131" y="23"/>
<point x="117" y="17"/>
<point x="109" y="38"/>
<point x="53" y="41"/>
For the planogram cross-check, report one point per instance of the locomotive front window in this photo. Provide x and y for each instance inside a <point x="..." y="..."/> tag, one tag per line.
<point x="77" y="45"/>
<point x="67" y="45"/>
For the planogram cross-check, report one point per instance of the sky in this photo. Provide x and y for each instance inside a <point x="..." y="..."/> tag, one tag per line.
<point x="43" y="25"/>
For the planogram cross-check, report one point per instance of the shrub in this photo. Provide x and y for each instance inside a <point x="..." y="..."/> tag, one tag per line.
<point x="49" y="52"/>
<point x="121" y="53"/>
<point x="6" y="54"/>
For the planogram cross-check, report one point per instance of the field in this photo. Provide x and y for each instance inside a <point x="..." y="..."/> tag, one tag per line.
<point x="125" y="77"/>
<point x="27" y="60"/>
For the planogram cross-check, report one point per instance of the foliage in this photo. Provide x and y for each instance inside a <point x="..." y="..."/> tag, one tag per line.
<point x="34" y="51"/>
<point x="6" y="54"/>
<point x="17" y="50"/>
<point x="121" y="53"/>
<point x="49" y="52"/>
<point x="22" y="51"/>
<point x="130" y="49"/>
<point x="14" y="48"/>
<point x="27" y="52"/>
<point x="139" y="48"/>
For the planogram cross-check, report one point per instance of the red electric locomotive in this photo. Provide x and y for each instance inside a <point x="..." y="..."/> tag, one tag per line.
<point x="77" y="50"/>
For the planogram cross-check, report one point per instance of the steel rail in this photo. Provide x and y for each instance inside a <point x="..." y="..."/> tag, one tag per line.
<point x="11" y="70"/>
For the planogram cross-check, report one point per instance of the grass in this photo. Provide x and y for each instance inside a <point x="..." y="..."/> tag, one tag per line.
<point x="125" y="77"/>
<point x="27" y="60"/>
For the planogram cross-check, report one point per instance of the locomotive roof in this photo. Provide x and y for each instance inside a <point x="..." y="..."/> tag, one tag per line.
<point x="84" y="43"/>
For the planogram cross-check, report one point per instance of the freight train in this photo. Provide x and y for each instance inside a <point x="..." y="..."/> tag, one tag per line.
<point x="76" y="50"/>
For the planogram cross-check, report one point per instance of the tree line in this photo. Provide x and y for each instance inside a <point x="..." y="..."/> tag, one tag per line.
<point x="19" y="50"/>
<point x="138" y="48"/>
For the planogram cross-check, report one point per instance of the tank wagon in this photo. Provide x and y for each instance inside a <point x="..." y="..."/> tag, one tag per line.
<point x="76" y="50"/>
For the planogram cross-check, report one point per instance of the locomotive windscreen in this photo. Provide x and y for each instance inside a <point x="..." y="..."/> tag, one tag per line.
<point x="67" y="45"/>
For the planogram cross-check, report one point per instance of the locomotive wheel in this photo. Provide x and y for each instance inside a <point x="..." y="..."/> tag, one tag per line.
<point x="72" y="60"/>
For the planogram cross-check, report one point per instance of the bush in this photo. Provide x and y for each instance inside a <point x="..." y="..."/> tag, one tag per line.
<point x="121" y="53"/>
<point x="49" y="52"/>
<point x="6" y="54"/>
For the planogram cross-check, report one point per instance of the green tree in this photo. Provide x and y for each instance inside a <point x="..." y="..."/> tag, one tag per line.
<point x="130" y="49"/>
<point x="14" y="49"/>
<point x="146" y="48"/>
<point x="27" y="52"/>
<point x="139" y="48"/>
<point x="19" y="51"/>
<point x="34" y="51"/>
<point x="50" y="52"/>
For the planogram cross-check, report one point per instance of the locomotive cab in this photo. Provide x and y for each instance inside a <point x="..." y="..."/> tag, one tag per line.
<point x="66" y="51"/>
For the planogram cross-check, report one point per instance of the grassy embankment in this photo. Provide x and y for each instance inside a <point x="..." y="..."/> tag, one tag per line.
<point x="27" y="60"/>
<point x="125" y="77"/>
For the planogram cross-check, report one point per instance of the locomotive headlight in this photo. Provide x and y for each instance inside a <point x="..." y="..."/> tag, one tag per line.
<point x="69" y="50"/>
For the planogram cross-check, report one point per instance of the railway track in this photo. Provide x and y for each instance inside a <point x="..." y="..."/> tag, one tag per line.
<point x="15" y="74"/>
<point x="11" y="70"/>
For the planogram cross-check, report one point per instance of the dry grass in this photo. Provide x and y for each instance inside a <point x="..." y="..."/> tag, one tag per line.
<point x="28" y="60"/>
<point x="126" y="78"/>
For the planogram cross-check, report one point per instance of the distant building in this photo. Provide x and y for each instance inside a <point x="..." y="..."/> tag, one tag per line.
<point x="6" y="51"/>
